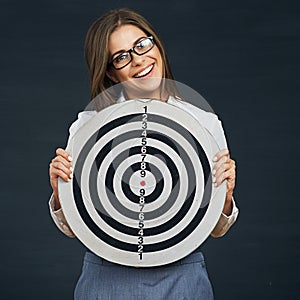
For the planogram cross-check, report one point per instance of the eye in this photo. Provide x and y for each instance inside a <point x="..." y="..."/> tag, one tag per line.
<point x="121" y="58"/>
<point x="143" y="43"/>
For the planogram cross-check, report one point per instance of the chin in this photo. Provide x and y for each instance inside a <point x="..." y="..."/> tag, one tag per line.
<point x="143" y="88"/>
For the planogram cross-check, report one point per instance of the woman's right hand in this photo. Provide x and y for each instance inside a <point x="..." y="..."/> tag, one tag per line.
<point x="60" y="166"/>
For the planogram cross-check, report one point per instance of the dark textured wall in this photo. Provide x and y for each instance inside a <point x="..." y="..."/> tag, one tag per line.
<point x="242" y="56"/>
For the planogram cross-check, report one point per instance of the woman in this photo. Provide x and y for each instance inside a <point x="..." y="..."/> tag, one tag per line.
<point x="122" y="47"/>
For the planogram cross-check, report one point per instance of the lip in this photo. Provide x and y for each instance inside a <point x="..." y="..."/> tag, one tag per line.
<point x="143" y="69"/>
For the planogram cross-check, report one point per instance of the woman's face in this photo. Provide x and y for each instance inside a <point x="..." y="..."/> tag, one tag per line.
<point x="144" y="71"/>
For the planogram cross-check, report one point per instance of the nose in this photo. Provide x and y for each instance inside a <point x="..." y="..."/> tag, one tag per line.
<point x="137" y="59"/>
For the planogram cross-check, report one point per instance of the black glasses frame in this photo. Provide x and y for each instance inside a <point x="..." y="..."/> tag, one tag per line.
<point x="130" y="51"/>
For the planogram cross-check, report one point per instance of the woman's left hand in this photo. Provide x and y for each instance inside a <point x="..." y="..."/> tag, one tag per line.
<point x="224" y="169"/>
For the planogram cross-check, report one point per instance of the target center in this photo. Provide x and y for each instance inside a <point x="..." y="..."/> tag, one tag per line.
<point x="148" y="183"/>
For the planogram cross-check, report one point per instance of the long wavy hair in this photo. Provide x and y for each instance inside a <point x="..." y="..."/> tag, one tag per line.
<point x="97" y="51"/>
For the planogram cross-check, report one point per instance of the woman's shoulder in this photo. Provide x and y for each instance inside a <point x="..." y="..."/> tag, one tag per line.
<point x="206" y="119"/>
<point x="200" y="114"/>
<point x="82" y="118"/>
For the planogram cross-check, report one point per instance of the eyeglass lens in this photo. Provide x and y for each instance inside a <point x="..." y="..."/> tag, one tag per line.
<point x="140" y="48"/>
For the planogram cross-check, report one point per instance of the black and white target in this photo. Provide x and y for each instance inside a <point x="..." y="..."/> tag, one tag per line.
<point x="142" y="192"/>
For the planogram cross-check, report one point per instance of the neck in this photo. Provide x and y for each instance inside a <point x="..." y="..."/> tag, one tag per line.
<point x="152" y="88"/>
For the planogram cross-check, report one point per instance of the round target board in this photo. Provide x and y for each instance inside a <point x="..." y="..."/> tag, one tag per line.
<point x="142" y="193"/>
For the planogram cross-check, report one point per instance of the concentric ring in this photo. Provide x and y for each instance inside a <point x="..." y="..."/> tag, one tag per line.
<point x="105" y="213"/>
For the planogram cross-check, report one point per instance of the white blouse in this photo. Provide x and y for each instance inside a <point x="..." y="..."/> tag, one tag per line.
<point x="208" y="120"/>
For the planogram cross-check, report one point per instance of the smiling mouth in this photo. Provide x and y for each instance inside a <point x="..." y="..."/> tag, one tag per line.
<point x="145" y="72"/>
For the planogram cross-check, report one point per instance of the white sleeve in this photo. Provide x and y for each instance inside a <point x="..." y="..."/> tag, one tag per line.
<point x="225" y="222"/>
<point x="58" y="215"/>
<point x="59" y="219"/>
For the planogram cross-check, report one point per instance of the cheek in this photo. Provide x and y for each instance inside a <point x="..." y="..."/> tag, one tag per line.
<point x="120" y="75"/>
<point x="159" y="61"/>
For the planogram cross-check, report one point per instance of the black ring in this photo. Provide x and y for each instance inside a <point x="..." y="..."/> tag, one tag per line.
<point x="158" y="246"/>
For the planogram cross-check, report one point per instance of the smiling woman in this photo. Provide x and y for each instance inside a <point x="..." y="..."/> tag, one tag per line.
<point x="122" y="47"/>
<point x="141" y="64"/>
<point x="100" y="47"/>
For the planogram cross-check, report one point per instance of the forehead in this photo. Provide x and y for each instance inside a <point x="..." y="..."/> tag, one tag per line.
<point x="124" y="37"/>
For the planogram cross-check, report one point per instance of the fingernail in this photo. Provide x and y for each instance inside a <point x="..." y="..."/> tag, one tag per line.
<point x="216" y="184"/>
<point x="71" y="175"/>
<point x="214" y="171"/>
<point x="215" y="158"/>
<point x="68" y="179"/>
<point x="214" y="179"/>
<point x="69" y="158"/>
<point x="71" y="169"/>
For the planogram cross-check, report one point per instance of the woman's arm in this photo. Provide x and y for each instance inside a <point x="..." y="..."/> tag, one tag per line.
<point x="59" y="218"/>
<point x="225" y="169"/>
<point x="61" y="167"/>
<point x="225" y="222"/>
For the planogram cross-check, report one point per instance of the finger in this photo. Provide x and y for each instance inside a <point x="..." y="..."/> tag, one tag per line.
<point x="63" y="153"/>
<point x="221" y="169"/>
<point x="59" y="173"/>
<point x="220" y="154"/>
<point x="57" y="165"/>
<point x="228" y="175"/>
<point x="220" y="162"/>
<point x="223" y="165"/>
<point x="61" y="159"/>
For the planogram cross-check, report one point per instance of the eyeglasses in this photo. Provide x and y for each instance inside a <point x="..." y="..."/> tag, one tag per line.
<point x="141" y="47"/>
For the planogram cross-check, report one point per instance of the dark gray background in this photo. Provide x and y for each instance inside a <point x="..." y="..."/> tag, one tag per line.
<point x="242" y="56"/>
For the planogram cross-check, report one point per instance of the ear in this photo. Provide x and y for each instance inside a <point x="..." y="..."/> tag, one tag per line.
<point x="110" y="74"/>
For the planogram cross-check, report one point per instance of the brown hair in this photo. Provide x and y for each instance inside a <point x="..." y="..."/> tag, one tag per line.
<point x="96" y="46"/>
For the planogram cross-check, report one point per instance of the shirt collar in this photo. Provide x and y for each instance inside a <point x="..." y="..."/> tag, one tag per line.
<point x="123" y="99"/>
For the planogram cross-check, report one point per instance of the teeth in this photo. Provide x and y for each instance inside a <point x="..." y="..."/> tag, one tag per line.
<point x="145" y="72"/>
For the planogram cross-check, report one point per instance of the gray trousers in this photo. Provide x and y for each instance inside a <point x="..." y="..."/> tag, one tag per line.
<point x="185" y="279"/>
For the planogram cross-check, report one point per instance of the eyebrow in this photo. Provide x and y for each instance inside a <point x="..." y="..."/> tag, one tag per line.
<point x="134" y="43"/>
